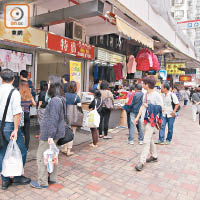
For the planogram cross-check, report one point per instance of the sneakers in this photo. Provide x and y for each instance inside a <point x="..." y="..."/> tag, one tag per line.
<point x="160" y="142"/>
<point x="140" y="142"/>
<point x="107" y="137"/>
<point x="167" y="142"/>
<point x="152" y="159"/>
<point x="139" y="167"/>
<point x="131" y="142"/>
<point x="36" y="185"/>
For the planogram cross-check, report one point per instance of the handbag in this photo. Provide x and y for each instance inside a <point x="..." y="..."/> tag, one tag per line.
<point x="4" y="118"/>
<point x="69" y="135"/>
<point x="173" y="105"/>
<point x="21" y="124"/>
<point x="74" y="115"/>
<point x="93" y="118"/>
<point x="108" y="103"/>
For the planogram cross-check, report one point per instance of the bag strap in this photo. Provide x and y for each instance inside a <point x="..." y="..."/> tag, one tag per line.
<point x="5" y="111"/>
<point x="75" y="99"/>
<point x="99" y="104"/>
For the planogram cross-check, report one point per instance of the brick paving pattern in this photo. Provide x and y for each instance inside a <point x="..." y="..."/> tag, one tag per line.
<point x="108" y="172"/>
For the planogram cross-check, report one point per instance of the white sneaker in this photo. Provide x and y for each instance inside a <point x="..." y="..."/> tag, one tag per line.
<point x="130" y="142"/>
<point x="140" y="142"/>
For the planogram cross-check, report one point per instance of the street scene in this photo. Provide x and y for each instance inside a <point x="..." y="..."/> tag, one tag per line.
<point x="99" y="99"/>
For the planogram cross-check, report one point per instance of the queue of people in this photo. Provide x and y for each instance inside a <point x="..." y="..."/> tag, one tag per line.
<point x="149" y="111"/>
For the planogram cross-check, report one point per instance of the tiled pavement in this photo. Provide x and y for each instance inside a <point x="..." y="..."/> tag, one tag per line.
<point x="108" y="171"/>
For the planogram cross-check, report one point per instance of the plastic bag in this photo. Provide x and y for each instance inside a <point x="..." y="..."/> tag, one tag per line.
<point x="12" y="162"/>
<point x="51" y="157"/>
<point x="93" y="119"/>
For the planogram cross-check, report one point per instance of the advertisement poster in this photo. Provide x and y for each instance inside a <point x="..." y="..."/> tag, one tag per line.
<point x="75" y="74"/>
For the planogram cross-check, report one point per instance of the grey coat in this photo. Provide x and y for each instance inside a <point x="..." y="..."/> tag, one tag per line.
<point x="53" y="123"/>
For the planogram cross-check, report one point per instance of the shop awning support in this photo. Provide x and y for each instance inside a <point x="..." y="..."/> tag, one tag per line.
<point x="83" y="10"/>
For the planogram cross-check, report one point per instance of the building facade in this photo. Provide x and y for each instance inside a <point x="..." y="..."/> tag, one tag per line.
<point x="188" y="10"/>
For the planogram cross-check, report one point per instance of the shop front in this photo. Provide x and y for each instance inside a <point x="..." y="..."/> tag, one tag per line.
<point x="18" y="49"/>
<point x="64" y="56"/>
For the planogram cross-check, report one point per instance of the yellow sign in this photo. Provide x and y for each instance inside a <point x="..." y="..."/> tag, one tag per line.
<point x="75" y="73"/>
<point x="173" y="68"/>
<point x="29" y="36"/>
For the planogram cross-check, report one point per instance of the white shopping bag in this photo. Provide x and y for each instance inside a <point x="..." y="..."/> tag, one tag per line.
<point x="93" y="119"/>
<point x="51" y="157"/>
<point x="12" y="162"/>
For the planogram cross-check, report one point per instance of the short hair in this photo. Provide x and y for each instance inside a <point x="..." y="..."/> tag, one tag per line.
<point x="166" y="86"/>
<point x="43" y="86"/>
<point x="138" y="87"/>
<point x="66" y="77"/>
<point x="24" y="73"/>
<point x="186" y="88"/>
<point x="132" y="87"/>
<point x="97" y="93"/>
<point x="104" y="85"/>
<point x="150" y="81"/>
<point x="7" y="75"/>
<point x="55" y="88"/>
<point x="72" y="87"/>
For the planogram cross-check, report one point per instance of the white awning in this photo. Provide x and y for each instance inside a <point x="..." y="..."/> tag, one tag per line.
<point x="133" y="33"/>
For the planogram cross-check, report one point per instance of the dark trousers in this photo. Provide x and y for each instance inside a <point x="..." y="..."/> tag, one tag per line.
<point x="26" y="129"/>
<point x="105" y="116"/>
<point x="8" y="129"/>
<point x="94" y="135"/>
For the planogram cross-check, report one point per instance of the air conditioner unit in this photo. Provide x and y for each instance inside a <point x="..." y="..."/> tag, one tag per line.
<point x="75" y="31"/>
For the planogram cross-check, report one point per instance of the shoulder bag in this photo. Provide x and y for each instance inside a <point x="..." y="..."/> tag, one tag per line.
<point x="4" y="118"/>
<point x="69" y="135"/>
<point x="108" y="103"/>
<point x="173" y="104"/>
<point x="74" y="115"/>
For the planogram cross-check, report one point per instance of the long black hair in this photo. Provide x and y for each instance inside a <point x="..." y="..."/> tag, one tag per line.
<point x="55" y="88"/>
<point x="43" y="86"/>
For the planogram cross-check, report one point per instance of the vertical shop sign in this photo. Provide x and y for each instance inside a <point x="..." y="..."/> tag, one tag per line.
<point x="75" y="73"/>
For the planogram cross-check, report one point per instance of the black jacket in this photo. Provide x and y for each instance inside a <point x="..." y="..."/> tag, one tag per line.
<point x="98" y="102"/>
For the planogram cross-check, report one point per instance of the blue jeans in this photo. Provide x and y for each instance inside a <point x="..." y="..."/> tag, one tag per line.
<point x="170" y="122"/>
<point x="132" y="128"/>
<point x="185" y="102"/>
<point x="8" y="129"/>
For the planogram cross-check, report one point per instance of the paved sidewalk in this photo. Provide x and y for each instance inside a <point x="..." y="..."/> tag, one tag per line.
<point x="108" y="171"/>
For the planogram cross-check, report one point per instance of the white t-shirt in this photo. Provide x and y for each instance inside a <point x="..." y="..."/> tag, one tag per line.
<point x="167" y="100"/>
<point x="14" y="107"/>
<point x="152" y="98"/>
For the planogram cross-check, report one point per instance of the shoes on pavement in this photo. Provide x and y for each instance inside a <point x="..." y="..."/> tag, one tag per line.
<point x="139" y="167"/>
<point x="167" y="142"/>
<point x="160" y="142"/>
<point x="36" y="185"/>
<point x="92" y="145"/>
<point x="152" y="159"/>
<point x="141" y="142"/>
<point x="131" y="142"/>
<point x="6" y="184"/>
<point x="100" y="136"/>
<point x="51" y="182"/>
<point x="107" y="137"/>
<point x="21" y="180"/>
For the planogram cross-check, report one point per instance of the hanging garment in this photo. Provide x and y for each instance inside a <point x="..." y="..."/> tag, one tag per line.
<point x="111" y="74"/>
<point x="95" y="72"/>
<point x="124" y="70"/>
<point x="144" y="60"/>
<point x="156" y="65"/>
<point x="118" y="71"/>
<point x="131" y="66"/>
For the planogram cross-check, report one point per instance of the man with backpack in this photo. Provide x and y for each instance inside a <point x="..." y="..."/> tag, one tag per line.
<point x="171" y="106"/>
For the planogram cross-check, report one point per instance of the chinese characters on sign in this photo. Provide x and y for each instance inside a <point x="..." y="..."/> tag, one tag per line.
<point x="69" y="46"/>
<point x="185" y="78"/>
<point x="75" y="73"/>
<point x="174" y="68"/>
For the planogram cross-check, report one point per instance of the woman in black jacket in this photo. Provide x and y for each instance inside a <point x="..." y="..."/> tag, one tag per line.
<point x="98" y="103"/>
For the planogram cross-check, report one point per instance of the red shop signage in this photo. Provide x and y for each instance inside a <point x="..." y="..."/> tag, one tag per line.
<point x="185" y="78"/>
<point x="69" y="46"/>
